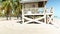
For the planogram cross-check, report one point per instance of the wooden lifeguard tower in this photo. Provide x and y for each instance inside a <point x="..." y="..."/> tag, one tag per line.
<point x="34" y="11"/>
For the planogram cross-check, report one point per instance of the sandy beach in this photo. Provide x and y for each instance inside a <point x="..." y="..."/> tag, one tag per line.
<point x="12" y="27"/>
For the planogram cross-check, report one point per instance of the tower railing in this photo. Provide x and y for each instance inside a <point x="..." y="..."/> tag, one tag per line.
<point x="47" y="14"/>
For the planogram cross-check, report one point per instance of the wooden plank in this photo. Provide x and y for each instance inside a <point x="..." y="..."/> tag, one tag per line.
<point x="33" y="14"/>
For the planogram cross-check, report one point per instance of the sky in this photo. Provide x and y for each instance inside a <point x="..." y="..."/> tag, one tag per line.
<point x="56" y="5"/>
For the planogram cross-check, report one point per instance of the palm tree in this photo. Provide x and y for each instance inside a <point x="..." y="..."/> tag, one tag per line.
<point x="17" y="8"/>
<point x="7" y="6"/>
<point x="11" y="5"/>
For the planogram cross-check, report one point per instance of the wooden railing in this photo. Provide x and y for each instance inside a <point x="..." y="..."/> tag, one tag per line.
<point x="47" y="14"/>
<point x="37" y="10"/>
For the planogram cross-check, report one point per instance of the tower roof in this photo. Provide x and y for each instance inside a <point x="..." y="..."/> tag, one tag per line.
<point x="29" y="1"/>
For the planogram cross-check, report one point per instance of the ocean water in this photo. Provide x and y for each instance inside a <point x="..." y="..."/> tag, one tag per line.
<point x="57" y="17"/>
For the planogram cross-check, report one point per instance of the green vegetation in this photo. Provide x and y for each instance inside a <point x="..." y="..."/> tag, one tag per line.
<point x="10" y="8"/>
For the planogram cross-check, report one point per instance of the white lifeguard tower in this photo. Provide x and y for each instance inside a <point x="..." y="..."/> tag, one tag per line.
<point x="35" y="11"/>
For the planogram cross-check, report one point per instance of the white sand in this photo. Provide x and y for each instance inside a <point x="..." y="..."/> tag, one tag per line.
<point x="11" y="27"/>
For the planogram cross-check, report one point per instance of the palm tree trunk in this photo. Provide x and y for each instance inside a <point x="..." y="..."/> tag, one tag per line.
<point x="10" y="17"/>
<point x="17" y="17"/>
<point x="7" y="17"/>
